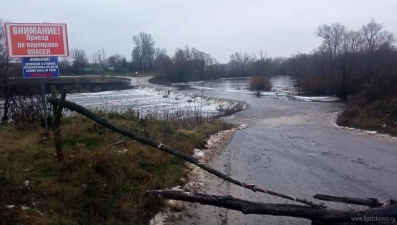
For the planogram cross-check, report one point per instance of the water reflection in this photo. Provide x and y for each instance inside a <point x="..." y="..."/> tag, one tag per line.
<point x="238" y="89"/>
<point x="238" y="83"/>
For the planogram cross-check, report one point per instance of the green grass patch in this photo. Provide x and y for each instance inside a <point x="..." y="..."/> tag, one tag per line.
<point x="98" y="183"/>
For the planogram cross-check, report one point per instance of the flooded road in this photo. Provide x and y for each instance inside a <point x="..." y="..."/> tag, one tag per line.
<point x="290" y="146"/>
<point x="294" y="147"/>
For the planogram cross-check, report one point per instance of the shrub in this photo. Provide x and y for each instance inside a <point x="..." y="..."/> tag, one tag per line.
<point x="260" y="84"/>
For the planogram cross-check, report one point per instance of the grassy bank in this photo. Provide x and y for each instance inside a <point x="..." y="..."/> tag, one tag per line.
<point x="100" y="182"/>
<point x="380" y="116"/>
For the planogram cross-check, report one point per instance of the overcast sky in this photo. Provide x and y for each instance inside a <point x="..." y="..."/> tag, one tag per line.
<point x="218" y="27"/>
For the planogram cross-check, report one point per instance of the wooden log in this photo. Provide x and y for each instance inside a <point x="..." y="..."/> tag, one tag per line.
<point x="317" y="215"/>
<point x="57" y="127"/>
<point x="80" y="109"/>
<point x="54" y="95"/>
<point x="370" y="202"/>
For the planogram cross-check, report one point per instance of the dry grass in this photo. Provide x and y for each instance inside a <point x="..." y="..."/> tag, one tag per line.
<point x="97" y="183"/>
<point x="380" y="116"/>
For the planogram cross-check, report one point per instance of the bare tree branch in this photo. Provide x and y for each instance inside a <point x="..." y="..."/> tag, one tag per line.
<point x="370" y="202"/>
<point x="118" y="142"/>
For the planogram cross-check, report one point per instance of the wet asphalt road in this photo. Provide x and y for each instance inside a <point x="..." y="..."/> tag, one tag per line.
<point x="294" y="147"/>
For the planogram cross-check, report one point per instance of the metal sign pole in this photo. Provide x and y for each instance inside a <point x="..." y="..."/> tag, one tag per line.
<point x="44" y="105"/>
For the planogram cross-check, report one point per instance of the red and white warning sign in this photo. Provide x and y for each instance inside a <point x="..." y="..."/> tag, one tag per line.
<point x="36" y="39"/>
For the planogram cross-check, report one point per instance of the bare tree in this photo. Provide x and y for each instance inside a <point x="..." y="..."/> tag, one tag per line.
<point x="240" y="63"/>
<point x="102" y="59"/>
<point x="118" y="63"/>
<point x="65" y="66"/>
<point x="342" y="45"/>
<point x="160" y="58"/>
<point x="99" y="59"/>
<point x="7" y="76"/>
<point x="259" y="64"/>
<point x="374" y="37"/>
<point x="96" y="59"/>
<point x="80" y="60"/>
<point x="4" y="65"/>
<point x="143" y="52"/>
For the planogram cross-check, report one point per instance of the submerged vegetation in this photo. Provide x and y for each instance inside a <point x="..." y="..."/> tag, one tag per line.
<point x="260" y="84"/>
<point x="104" y="175"/>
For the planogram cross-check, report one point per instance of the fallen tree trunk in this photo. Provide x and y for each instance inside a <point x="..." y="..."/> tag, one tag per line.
<point x="317" y="215"/>
<point x="370" y="202"/>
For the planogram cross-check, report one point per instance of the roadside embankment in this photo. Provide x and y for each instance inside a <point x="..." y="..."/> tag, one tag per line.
<point x="175" y="211"/>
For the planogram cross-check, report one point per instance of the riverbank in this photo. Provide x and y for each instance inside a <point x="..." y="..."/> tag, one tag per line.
<point x="379" y="116"/>
<point x="104" y="175"/>
<point x="80" y="84"/>
<point x="160" y="80"/>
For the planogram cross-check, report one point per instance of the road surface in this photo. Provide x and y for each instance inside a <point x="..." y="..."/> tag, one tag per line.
<point x="294" y="147"/>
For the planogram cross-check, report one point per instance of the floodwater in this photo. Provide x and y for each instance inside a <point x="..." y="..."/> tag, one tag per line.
<point x="293" y="147"/>
<point x="158" y="102"/>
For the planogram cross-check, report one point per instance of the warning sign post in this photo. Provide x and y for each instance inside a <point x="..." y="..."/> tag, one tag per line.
<point x="43" y="67"/>
<point x="36" y="39"/>
<point x="39" y="45"/>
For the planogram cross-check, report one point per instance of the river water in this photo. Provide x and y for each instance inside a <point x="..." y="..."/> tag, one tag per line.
<point x="205" y="98"/>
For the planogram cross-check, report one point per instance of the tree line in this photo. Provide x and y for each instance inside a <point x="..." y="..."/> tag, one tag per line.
<point x="189" y="64"/>
<point x="349" y="63"/>
<point x="186" y="64"/>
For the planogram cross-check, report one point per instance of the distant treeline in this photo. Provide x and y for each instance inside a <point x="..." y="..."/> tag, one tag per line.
<point x="186" y="64"/>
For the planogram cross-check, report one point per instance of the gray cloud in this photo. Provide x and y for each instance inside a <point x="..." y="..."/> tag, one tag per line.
<point x="219" y="27"/>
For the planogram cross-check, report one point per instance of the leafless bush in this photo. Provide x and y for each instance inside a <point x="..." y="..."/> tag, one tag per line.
<point x="260" y="84"/>
<point x="194" y="115"/>
<point x="27" y="111"/>
<point x="228" y="111"/>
